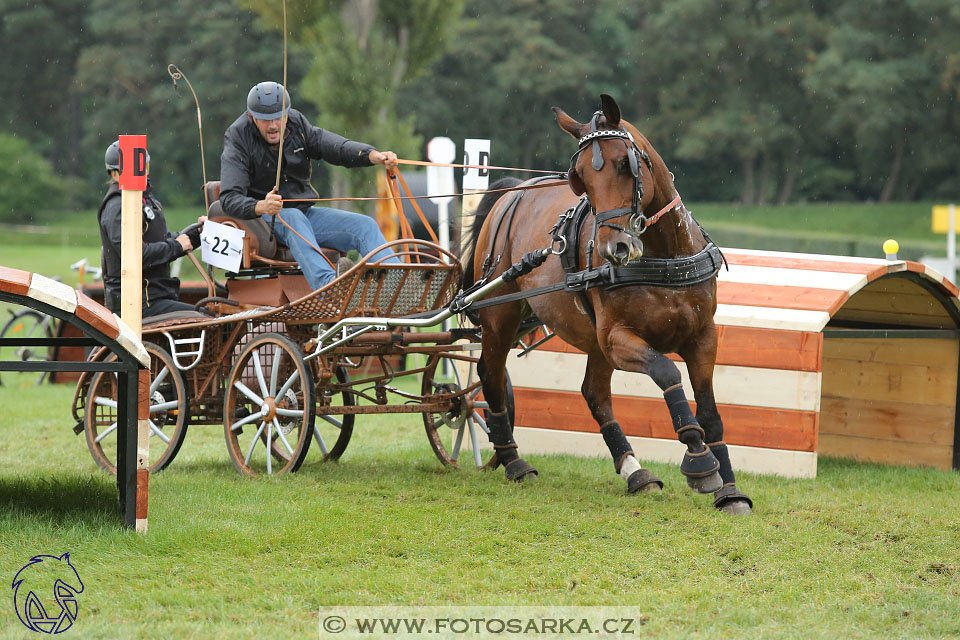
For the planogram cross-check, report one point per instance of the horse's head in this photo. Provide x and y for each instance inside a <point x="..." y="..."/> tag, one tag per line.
<point x="608" y="167"/>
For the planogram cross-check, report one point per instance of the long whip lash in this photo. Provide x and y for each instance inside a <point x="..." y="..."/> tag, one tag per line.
<point x="283" y="99"/>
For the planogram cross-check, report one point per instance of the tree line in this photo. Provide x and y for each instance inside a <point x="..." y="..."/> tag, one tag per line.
<point x="748" y="101"/>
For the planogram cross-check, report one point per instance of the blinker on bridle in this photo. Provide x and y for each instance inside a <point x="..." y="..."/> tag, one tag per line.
<point x="638" y="222"/>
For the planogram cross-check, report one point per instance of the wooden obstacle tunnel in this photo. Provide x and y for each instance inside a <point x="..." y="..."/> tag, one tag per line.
<point x="96" y="326"/>
<point x="818" y="355"/>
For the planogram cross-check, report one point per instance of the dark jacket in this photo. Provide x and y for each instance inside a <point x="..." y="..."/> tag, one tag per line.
<point x="248" y="166"/>
<point x="160" y="248"/>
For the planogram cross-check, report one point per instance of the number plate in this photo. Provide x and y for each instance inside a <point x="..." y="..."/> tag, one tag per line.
<point x="222" y="245"/>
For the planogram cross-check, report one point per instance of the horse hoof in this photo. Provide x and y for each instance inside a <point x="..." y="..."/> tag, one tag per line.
<point x="642" y="481"/>
<point x="519" y="470"/>
<point x="706" y="484"/>
<point x="737" y="508"/>
<point x="730" y="500"/>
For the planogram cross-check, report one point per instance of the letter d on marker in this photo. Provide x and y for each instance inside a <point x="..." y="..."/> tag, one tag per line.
<point x="133" y="175"/>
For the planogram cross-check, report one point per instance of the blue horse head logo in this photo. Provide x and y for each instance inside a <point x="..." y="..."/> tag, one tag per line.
<point x="31" y="589"/>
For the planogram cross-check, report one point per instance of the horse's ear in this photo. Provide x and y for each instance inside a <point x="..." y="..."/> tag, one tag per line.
<point x="611" y="110"/>
<point x="567" y="123"/>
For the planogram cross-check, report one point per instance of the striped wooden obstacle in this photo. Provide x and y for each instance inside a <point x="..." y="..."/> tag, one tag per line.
<point x="100" y="328"/>
<point x="849" y="357"/>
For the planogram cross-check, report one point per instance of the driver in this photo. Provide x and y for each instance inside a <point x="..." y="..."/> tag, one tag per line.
<point x="161" y="291"/>
<point x="248" y="172"/>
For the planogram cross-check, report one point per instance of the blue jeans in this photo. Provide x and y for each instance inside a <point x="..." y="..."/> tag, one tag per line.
<point x="330" y="228"/>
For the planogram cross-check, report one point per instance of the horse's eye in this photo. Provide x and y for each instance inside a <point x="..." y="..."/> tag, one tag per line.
<point x="623" y="166"/>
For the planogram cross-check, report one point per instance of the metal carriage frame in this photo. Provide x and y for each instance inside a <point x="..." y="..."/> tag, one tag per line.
<point x="278" y="377"/>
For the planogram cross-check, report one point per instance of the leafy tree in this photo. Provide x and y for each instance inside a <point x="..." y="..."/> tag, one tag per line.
<point x="126" y="87"/>
<point x="511" y="60"/>
<point x="41" y="107"/>
<point x="28" y="186"/>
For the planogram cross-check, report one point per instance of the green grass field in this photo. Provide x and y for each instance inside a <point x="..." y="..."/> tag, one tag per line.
<point x="863" y="551"/>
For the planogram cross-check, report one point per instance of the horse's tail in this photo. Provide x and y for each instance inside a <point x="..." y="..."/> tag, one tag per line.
<point x="483" y="210"/>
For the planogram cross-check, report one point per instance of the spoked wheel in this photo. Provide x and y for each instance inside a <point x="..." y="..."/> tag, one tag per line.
<point x="269" y="407"/>
<point x="25" y="323"/>
<point x="466" y="417"/>
<point x="332" y="432"/>
<point x="169" y="412"/>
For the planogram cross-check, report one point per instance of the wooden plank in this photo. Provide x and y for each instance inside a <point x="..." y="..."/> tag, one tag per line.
<point x="893" y="422"/>
<point x="745" y="347"/>
<point x="777" y="388"/>
<point x="761" y="254"/>
<point x="649" y="417"/>
<point x="96" y="315"/>
<point x="890" y="297"/>
<point x="871" y="450"/>
<point x="56" y="294"/>
<point x="14" y="281"/>
<point x="882" y="381"/>
<point x="932" y="352"/>
<point x="788" y="261"/>
<point x="769" y="348"/>
<point x="758" y="295"/>
<point x="748" y="274"/>
<point x="781" y="462"/>
<point x="733" y="315"/>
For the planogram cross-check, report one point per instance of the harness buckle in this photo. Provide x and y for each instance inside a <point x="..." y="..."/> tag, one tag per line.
<point x="562" y="240"/>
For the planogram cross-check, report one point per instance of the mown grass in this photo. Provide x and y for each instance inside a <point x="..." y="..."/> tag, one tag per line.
<point x="862" y="551"/>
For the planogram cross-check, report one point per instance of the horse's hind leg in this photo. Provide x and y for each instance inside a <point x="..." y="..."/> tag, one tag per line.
<point x="700" y="367"/>
<point x="630" y="353"/>
<point x="492" y="370"/>
<point x="596" y="391"/>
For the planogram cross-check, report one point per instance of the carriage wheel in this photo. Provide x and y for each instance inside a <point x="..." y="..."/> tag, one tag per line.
<point x="335" y="430"/>
<point x="467" y="416"/>
<point x="169" y="412"/>
<point x="26" y="323"/>
<point x="269" y="407"/>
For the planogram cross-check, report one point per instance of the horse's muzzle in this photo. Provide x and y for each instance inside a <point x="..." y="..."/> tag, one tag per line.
<point x="621" y="249"/>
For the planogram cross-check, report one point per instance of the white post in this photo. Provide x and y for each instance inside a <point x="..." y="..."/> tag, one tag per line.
<point x="952" y="241"/>
<point x="443" y="221"/>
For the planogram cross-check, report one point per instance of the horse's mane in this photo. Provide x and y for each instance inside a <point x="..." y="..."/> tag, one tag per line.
<point x="483" y="210"/>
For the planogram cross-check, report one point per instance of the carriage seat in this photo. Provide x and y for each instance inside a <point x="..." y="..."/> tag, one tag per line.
<point x="260" y="246"/>
<point x="170" y="316"/>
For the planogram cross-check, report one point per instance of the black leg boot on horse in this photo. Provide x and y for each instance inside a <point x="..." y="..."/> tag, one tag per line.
<point x="501" y="431"/>
<point x="700" y="368"/>
<point x="505" y="449"/>
<point x="699" y="465"/>
<point x="596" y="391"/>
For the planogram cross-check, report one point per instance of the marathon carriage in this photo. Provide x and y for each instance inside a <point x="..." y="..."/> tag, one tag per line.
<point x="280" y="365"/>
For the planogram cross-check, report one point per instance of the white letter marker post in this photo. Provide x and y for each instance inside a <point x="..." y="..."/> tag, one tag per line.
<point x="476" y="151"/>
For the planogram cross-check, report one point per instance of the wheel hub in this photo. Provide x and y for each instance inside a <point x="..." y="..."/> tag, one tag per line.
<point x="269" y="408"/>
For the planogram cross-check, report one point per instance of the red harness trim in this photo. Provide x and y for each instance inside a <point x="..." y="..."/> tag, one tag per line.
<point x="659" y="214"/>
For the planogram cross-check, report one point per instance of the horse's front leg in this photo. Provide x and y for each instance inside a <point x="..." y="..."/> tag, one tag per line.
<point x="700" y="360"/>
<point x="596" y="391"/>
<point x="628" y="352"/>
<point x="498" y="326"/>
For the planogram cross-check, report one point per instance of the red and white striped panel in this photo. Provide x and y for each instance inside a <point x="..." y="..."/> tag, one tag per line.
<point x="771" y="309"/>
<point x="66" y="298"/>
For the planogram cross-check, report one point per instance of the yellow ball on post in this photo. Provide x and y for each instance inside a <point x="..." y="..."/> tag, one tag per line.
<point x="890" y="248"/>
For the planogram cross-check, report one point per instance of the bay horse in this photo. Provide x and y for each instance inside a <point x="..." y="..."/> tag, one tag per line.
<point x="638" y="220"/>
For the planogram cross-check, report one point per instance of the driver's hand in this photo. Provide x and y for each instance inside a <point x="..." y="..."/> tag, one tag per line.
<point x="270" y="205"/>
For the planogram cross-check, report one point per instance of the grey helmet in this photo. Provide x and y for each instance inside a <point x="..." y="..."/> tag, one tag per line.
<point x="265" y="101"/>
<point x="111" y="159"/>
